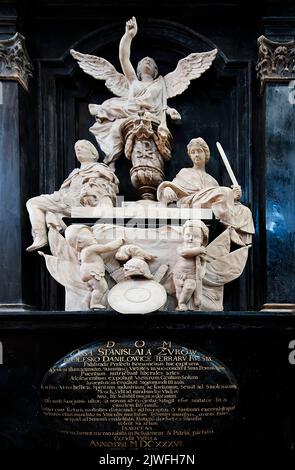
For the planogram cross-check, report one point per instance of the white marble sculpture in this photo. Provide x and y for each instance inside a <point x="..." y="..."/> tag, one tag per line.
<point x="93" y="184"/>
<point x="189" y="270"/>
<point x="140" y="291"/>
<point x="77" y="269"/>
<point x="143" y="269"/>
<point x="137" y="296"/>
<point x="222" y="266"/>
<point x="92" y="268"/>
<point x="77" y="263"/>
<point x="194" y="187"/>
<point x="225" y="259"/>
<point x="135" y="261"/>
<point x="202" y="270"/>
<point x="136" y="119"/>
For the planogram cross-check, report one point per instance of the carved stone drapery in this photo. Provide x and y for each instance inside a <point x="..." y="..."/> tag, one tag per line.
<point x="15" y="63"/>
<point x="276" y="62"/>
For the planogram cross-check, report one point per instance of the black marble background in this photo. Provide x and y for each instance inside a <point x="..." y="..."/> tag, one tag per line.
<point x="37" y="133"/>
<point x="254" y="346"/>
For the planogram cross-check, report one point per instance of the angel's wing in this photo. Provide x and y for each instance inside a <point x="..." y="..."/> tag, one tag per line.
<point x="66" y="273"/>
<point x="226" y="268"/>
<point x="101" y="69"/>
<point x="63" y="264"/>
<point x="60" y="248"/>
<point x="188" y="69"/>
<point x="220" y="246"/>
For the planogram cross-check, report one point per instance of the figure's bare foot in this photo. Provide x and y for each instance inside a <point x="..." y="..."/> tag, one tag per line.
<point x="39" y="242"/>
<point x="97" y="307"/>
<point x="181" y="307"/>
<point x="197" y="302"/>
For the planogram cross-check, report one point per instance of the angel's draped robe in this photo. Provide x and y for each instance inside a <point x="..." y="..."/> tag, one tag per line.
<point x="146" y="97"/>
<point x="196" y="188"/>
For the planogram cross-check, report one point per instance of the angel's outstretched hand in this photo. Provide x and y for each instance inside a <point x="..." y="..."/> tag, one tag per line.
<point x="131" y="27"/>
<point x="174" y="114"/>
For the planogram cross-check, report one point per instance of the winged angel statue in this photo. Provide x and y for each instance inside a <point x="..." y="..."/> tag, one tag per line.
<point x="140" y="94"/>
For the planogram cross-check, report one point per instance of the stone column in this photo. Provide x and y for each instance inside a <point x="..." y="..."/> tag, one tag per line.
<point x="16" y="125"/>
<point x="276" y="71"/>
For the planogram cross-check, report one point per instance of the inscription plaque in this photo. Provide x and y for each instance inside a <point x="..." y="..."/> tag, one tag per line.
<point x="138" y="394"/>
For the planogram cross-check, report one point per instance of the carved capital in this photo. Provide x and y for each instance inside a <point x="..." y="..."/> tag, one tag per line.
<point x="276" y="62"/>
<point x="15" y="63"/>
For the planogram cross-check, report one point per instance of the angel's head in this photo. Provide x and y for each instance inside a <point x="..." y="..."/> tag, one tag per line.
<point x="85" y="151"/>
<point x="147" y="66"/>
<point x="196" y="232"/>
<point x="198" y="151"/>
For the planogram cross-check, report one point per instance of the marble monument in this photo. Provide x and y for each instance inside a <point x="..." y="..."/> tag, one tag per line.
<point x="142" y="268"/>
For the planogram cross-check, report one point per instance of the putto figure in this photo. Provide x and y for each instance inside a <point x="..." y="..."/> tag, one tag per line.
<point x="190" y="267"/>
<point x="136" y="120"/>
<point x="92" y="268"/>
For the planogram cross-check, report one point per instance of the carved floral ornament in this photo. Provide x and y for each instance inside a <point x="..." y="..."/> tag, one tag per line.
<point x="276" y="61"/>
<point x="15" y="63"/>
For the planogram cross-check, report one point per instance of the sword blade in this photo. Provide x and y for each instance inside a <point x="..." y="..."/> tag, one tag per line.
<point x="227" y="164"/>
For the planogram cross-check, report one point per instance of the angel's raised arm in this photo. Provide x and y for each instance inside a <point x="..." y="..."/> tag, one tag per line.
<point x="124" y="49"/>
